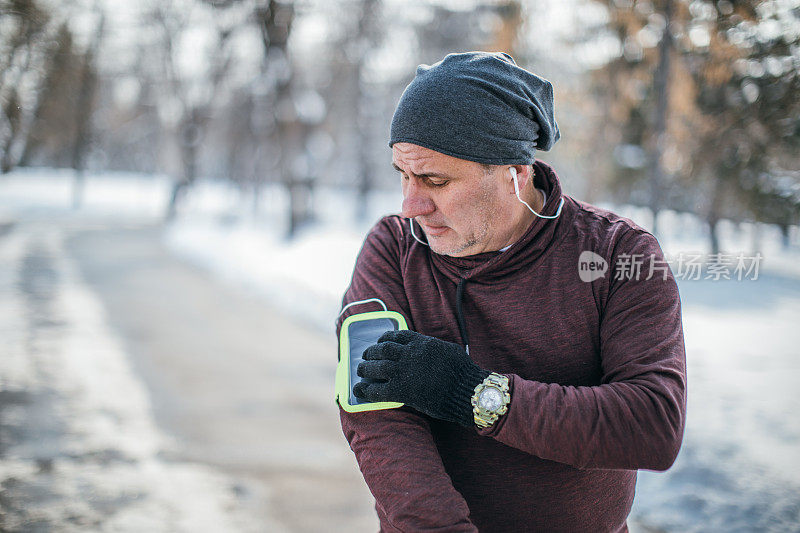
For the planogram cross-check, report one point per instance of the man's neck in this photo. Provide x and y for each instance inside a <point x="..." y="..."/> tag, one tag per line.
<point x="523" y="217"/>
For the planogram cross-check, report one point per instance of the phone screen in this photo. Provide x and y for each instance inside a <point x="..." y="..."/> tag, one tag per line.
<point x="363" y="334"/>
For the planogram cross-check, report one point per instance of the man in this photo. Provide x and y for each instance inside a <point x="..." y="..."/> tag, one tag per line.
<point x="539" y="371"/>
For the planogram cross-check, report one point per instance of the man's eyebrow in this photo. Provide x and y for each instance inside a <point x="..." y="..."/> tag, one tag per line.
<point x="426" y="175"/>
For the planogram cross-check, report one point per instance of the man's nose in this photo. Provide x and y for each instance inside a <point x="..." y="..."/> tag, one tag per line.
<point x="416" y="202"/>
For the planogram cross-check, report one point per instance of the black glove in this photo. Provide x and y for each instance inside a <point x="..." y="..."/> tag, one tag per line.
<point x="433" y="376"/>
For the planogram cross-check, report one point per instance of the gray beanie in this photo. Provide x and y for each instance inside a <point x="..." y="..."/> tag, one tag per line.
<point x="478" y="106"/>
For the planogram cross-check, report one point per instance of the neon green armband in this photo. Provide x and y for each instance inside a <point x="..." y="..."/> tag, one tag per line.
<point x="357" y="334"/>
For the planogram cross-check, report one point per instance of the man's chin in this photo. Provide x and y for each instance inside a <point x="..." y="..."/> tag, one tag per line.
<point x="449" y="249"/>
<point x="439" y="247"/>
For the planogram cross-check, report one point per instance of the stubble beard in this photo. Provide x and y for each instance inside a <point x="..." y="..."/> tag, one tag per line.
<point x="470" y="242"/>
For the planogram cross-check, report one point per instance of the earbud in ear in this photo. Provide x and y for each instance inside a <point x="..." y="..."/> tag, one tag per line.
<point x="513" y="172"/>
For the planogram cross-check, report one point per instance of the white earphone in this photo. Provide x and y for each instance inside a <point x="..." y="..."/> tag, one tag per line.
<point x="513" y="172"/>
<point x="514" y="177"/>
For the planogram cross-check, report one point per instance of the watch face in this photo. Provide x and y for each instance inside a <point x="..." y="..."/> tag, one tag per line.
<point x="490" y="399"/>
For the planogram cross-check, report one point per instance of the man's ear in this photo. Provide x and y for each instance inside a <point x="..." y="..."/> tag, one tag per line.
<point x="523" y="176"/>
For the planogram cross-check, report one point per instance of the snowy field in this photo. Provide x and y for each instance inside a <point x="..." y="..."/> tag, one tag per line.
<point x="739" y="469"/>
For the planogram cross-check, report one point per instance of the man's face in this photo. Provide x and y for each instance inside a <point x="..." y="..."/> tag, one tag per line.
<point x="462" y="208"/>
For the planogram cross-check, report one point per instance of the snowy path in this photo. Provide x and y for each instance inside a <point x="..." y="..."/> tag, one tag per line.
<point x="78" y="445"/>
<point x="144" y="398"/>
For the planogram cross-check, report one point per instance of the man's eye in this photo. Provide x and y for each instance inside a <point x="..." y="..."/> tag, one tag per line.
<point x="438" y="183"/>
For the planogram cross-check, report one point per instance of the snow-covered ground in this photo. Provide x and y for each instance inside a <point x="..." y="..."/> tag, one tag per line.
<point x="79" y="448"/>
<point x="739" y="468"/>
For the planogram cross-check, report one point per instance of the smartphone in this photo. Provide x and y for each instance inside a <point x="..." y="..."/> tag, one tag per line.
<point x="359" y="332"/>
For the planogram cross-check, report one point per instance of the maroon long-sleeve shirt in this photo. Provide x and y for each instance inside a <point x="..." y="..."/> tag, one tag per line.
<point x="597" y="373"/>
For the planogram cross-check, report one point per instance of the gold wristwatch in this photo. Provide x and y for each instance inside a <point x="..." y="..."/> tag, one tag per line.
<point x="490" y="400"/>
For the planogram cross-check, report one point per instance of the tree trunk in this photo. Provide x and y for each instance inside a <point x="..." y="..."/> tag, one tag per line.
<point x="83" y="115"/>
<point x="189" y="139"/>
<point x="756" y="242"/>
<point x="661" y="88"/>
<point x="786" y="240"/>
<point x="364" y="104"/>
<point x="364" y="188"/>
<point x="712" y="216"/>
<point x="13" y="113"/>
<point x="178" y="188"/>
<point x="713" y="231"/>
<point x="256" y="206"/>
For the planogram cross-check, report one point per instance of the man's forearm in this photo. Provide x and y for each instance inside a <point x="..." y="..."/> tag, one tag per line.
<point x="617" y="425"/>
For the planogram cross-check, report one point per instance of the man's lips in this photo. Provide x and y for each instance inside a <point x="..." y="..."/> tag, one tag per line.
<point x="433" y="231"/>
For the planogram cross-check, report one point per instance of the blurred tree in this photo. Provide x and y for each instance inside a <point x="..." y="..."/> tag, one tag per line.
<point x="53" y="125"/>
<point x="194" y="57"/>
<point x="354" y="95"/>
<point x="243" y="139"/>
<point x="27" y="31"/>
<point x="448" y="30"/>
<point x="85" y="106"/>
<point x="703" y="101"/>
<point x="298" y="111"/>
<point x="661" y="90"/>
<point x="368" y="37"/>
<point x="747" y="79"/>
<point x="60" y="131"/>
<point x="506" y="27"/>
<point x="287" y="134"/>
<point x="130" y="134"/>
